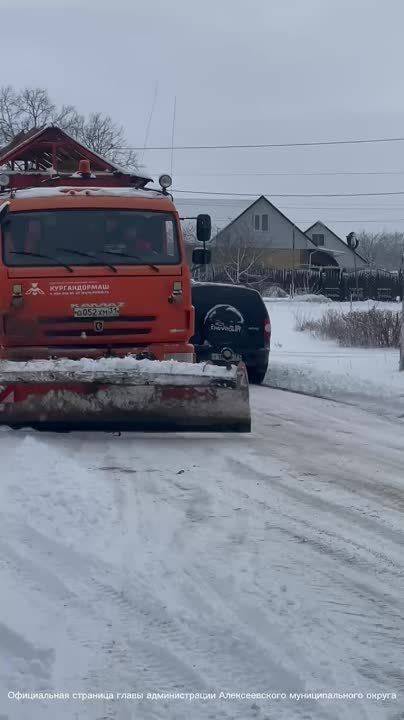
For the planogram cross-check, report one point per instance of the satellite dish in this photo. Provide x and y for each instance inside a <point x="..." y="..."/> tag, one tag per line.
<point x="352" y="241"/>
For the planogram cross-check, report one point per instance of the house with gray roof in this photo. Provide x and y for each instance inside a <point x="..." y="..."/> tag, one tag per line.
<point x="278" y="242"/>
<point x="322" y="236"/>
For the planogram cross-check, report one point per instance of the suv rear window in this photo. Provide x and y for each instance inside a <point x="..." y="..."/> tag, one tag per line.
<point x="227" y="303"/>
<point x="249" y="301"/>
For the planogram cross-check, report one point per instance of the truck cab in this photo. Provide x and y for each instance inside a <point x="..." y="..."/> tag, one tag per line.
<point x="93" y="271"/>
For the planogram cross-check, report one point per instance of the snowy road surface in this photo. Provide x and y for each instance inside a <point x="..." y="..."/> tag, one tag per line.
<point x="269" y="563"/>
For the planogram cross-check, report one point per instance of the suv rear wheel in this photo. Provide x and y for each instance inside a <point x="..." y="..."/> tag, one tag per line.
<point x="256" y="375"/>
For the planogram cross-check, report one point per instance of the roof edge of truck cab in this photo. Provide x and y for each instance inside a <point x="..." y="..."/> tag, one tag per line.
<point x="98" y="191"/>
<point x="75" y="197"/>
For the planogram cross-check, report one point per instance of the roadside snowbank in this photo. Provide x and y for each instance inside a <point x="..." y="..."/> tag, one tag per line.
<point x="303" y="363"/>
<point x="304" y="298"/>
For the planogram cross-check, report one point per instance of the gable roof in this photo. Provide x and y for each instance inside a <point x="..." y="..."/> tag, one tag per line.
<point x="40" y="144"/>
<point x="262" y="197"/>
<point x="18" y="141"/>
<point x="346" y="246"/>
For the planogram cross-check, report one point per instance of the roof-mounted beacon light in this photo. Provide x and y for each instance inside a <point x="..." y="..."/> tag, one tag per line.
<point x="85" y="168"/>
<point x="165" y="182"/>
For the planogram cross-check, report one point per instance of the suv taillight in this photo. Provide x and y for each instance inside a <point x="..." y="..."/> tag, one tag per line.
<point x="267" y="332"/>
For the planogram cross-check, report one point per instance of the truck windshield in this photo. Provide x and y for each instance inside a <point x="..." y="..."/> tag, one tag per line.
<point x="90" y="237"/>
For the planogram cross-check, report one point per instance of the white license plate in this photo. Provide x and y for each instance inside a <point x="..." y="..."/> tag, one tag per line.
<point x="96" y="311"/>
<point x="219" y="356"/>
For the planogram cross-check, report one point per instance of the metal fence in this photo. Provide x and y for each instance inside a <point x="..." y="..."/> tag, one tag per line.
<point x="332" y="282"/>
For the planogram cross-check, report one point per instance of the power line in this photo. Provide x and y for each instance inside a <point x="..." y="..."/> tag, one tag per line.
<point x="229" y="203"/>
<point x="310" y="210"/>
<point x="289" y="195"/>
<point x="341" y="207"/>
<point x="311" y="143"/>
<point x="365" y="220"/>
<point x="335" y="220"/>
<point x="281" y="173"/>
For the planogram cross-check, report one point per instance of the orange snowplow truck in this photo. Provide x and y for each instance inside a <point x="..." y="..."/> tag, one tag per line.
<point x="90" y="272"/>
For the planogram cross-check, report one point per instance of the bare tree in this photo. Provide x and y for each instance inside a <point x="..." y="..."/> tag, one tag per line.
<point x="382" y="250"/>
<point x="189" y="233"/>
<point x="10" y="121"/>
<point x="35" y="108"/>
<point x="238" y="261"/>
<point x="100" y="133"/>
<point x="30" y="108"/>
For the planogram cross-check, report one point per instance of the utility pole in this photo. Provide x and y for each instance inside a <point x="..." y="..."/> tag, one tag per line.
<point x="402" y="316"/>
<point x="292" y="290"/>
<point x="353" y="242"/>
<point x="172" y="136"/>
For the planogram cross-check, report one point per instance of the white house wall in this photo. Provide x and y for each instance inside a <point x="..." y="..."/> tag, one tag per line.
<point x="279" y="235"/>
<point x="346" y="259"/>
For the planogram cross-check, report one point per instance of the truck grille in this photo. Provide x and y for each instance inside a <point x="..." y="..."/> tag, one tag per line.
<point x="90" y="332"/>
<point x="61" y="328"/>
<point x="73" y="320"/>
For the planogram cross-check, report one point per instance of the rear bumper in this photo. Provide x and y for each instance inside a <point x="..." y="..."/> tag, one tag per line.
<point x="158" y="351"/>
<point x="257" y="358"/>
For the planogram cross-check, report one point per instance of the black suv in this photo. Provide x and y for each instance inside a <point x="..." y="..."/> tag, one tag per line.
<point x="231" y="324"/>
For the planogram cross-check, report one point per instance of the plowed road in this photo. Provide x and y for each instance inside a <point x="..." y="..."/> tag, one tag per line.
<point x="268" y="563"/>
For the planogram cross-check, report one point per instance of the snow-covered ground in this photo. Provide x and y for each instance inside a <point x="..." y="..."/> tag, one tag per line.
<point x="268" y="563"/>
<point x="264" y="563"/>
<point x="303" y="363"/>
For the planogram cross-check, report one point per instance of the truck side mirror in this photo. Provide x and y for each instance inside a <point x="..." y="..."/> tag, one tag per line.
<point x="203" y="228"/>
<point x="201" y="256"/>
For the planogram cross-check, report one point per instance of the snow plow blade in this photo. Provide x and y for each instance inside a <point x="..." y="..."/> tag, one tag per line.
<point x="124" y="394"/>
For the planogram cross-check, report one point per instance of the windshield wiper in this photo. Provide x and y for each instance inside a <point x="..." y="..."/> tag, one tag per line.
<point x="81" y="253"/>
<point x="41" y="255"/>
<point x="134" y="257"/>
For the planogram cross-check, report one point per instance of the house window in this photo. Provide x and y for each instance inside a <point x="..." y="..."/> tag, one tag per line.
<point x="318" y="240"/>
<point x="261" y="222"/>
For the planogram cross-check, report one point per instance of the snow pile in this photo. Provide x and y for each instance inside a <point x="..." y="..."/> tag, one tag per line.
<point x="304" y="297"/>
<point x="311" y="298"/>
<point x="303" y="363"/>
<point x="117" y="365"/>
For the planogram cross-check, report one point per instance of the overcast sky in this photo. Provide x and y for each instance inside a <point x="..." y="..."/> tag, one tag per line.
<point x="256" y="71"/>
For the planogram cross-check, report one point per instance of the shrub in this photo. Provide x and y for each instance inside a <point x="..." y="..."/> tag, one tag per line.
<point x="369" y="328"/>
<point x="274" y="291"/>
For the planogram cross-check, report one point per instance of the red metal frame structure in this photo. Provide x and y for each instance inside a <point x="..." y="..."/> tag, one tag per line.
<point x="48" y="155"/>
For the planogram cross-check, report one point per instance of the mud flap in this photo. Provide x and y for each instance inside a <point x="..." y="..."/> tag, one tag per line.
<point x="148" y="402"/>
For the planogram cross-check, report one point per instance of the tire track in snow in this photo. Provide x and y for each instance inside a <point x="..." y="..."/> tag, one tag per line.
<point x="387" y="598"/>
<point x="309" y="499"/>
